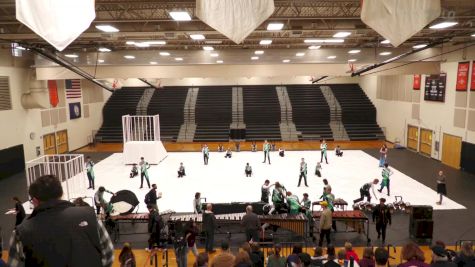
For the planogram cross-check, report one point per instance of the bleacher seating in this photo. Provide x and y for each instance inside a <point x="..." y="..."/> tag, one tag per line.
<point x="358" y="113"/>
<point x="169" y="103"/>
<point x="261" y="113"/>
<point x="310" y="112"/>
<point x="122" y="102"/>
<point x="213" y="113"/>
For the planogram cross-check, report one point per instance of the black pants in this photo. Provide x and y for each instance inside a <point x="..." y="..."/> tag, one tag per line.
<point x="154" y="240"/>
<point x="252" y="234"/>
<point x="304" y="175"/>
<point x="209" y="242"/>
<point x="248" y="173"/>
<point x="205" y="158"/>
<point x="98" y="209"/>
<point x="381" y="229"/>
<point x="91" y="181"/>
<point x="228" y="155"/>
<point x="266" y="156"/>
<point x="265" y="198"/>
<point x="281" y="153"/>
<point x="323" y="154"/>
<point x="181" y="174"/>
<point x="133" y="174"/>
<point x="339" y="154"/>
<point x="324" y="233"/>
<point x="363" y="194"/>
<point x="141" y="180"/>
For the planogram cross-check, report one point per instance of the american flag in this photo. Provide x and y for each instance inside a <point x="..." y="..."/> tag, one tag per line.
<point x="73" y="88"/>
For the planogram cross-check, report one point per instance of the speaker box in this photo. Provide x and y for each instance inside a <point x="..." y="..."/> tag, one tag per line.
<point x="421" y="213"/>
<point x="421" y="229"/>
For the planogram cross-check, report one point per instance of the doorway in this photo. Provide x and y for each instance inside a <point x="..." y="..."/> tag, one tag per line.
<point x="412" y="137"/>
<point x="425" y="144"/>
<point x="451" y="150"/>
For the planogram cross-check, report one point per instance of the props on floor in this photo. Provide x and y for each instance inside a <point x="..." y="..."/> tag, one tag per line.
<point x="124" y="202"/>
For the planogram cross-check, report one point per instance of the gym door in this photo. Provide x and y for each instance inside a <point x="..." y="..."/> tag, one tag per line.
<point x="62" y="141"/>
<point x="412" y="137"/>
<point x="425" y="142"/>
<point x="49" y="144"/>
<point x="451" y="150"/>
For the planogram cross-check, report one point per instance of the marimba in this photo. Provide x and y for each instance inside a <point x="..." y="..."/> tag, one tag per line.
<point x="351" y="218"/>
<point x="296" y="223"/>
<point x="338" y="203"/>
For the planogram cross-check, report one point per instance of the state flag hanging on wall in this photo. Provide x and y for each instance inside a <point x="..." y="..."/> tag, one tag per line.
<point x="74" y="110"/>
<point x="462" y="76"/>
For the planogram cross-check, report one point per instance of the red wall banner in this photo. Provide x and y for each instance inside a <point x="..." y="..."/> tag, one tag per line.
<point x="53" y="93"/>
<point x="416" y="85"/>
<point x="462" y="76"/>
<point x="472" y="87"/>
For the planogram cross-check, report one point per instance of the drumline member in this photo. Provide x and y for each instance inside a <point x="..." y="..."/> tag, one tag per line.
<point x="364" y="191"/>
<point x="385" y="182"/>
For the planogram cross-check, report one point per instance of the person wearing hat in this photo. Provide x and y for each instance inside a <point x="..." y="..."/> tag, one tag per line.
<point x="325" y="223"/>
<point x="440" y="257"/>
<point x="381" y="216"/>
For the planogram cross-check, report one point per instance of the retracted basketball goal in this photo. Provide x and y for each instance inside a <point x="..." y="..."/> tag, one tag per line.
<point x="142" y="139"/>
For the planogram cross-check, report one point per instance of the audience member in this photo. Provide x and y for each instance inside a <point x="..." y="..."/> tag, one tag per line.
<point x="381" y="257"/>
<point x="242" y="260"/>
<point x="209" y="225"/>
<point x="275" y="259"/>
<point x="331" y="260"/>
<point x="126" y="256"/>
<point x="251" y="224"/>
<point x="225" y="258"/>
<point x="466" y="256"/>
<point x="294" y="259"/>
<point x="368" y="258"/>
<point x="305" y="259"/>
<point x="257" y="256"/>
<point x="343" y="259"/>
<point x="350" y="252"/>
<point x="19" y="211"/>
<point x="80" y="202"/>
<point x="317" y="259"/>
<point x="440" y="257"/>
<point x="413" y="256"/>
<point x="190" y="236"/>
<point x="51" y="225"/>
<point x="201" y="260"/>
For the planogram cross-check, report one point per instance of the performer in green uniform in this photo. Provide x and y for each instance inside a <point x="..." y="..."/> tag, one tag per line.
<point x="303" y="172"/>
<point x="197" y="208"/>
<point x="144" y="172"/>
<point x="293" y="202"/>
<point x="266" y="149"/>
<point x="90" y="172"/>
<point x="205" y="152"/>
<point x="385" y="174"/>
<point x="323" y="151"/>
<point x="278" y="197"/>
<point x="306" y="205"/>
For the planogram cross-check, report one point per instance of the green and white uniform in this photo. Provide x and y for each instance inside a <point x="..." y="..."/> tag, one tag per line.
<point x="294" y="205"/>
<point x="266" y="149"/>
<point x="386" y="173"/>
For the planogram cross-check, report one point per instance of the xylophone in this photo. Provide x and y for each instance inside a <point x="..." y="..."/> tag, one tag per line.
<point x="351" y="218"/>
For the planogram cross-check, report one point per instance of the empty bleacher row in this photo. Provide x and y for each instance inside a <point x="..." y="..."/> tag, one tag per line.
<point x="310" y="112"/>
<point x="121" y="102"/>
<point x="358" y="113"/>
<point x="169" y="104"/>
<point x="261" y="113"/>
<point x="213" y="113"/>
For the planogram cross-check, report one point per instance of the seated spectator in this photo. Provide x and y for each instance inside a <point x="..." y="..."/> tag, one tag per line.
<point x="225" y="258"/>
<point x="275" y="259"/>
<point x="257" y="256"/>
<point x="248" y="170"/>
<point x="281" y="152"/>
<point x="127" y="257"/>
<point x="368" y="258"/>
<point x="134" y="172"/>
<point x="413" y="256"/>
<point x="201" y="260"/>
<point x="229" y="153"/>
<point x="381" y="257"/>
<point x="439" y="257"/>
<point x="305" y="259"/>
<point x="350" y="252"/>
<point x="466" y="255"/>
<point x="317" y="259"/>
<point x="331" y="260"/>
<point x="338" y="151"/>
<point x="342" y="259"/>
<point x="242" y="260"/>
<point x="293" y="259"/>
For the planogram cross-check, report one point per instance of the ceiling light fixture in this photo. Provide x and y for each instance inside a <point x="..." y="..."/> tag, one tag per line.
<point x="219" y="61"/>
<point x="265" y="42"/>
<point x="129" y="57"/>
<point x="314" y="47"/>
<point x="311" y="41"/>
<point x="300" y="54"/>
<point x="386" y="41"/>
<point x="179" y="59"/>
<point x="104" y="49"/>
<point x="180" y="15"/>
<point x="443" y="25"/>
<point x="208" y="48"/>
<point x="356" y="51"/>
<point x="107" y="28"/>
<point x="275" y="26"/>
<point x="351" y="60"/>
<point x="341" y="34"/>
<point x="197" y="36"/>
<point x="254" y="58"/>
<point x="164" y="54"/>
<point x="259" y="52"/>
<point x="286" y="60"/>
<point x="71" y="55"/>
<point x="153" y="62"/>
<point x="419" y="46"/>
<point x="214" y="55"/>
<point x="214" y="41"/>
<point x="473" y="35"/>
<point x="386" y="53"/>
<point x="143" y="44"/>
<point x="100" y="60"/>
<point x="331" y="57"/>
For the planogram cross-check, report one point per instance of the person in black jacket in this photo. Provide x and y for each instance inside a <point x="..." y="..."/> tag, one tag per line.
<point x="151" y="197"/>
<point x="155" y="225"/>
<point x="382" y="216"/>
<point x="209" y="225"/>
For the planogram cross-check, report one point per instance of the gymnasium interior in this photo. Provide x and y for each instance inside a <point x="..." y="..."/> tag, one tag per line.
<point x="116" y="80"/>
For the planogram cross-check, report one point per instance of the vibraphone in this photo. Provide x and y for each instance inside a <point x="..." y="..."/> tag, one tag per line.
<point x="351" y="218"/>
<point x="296" y="223"/>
